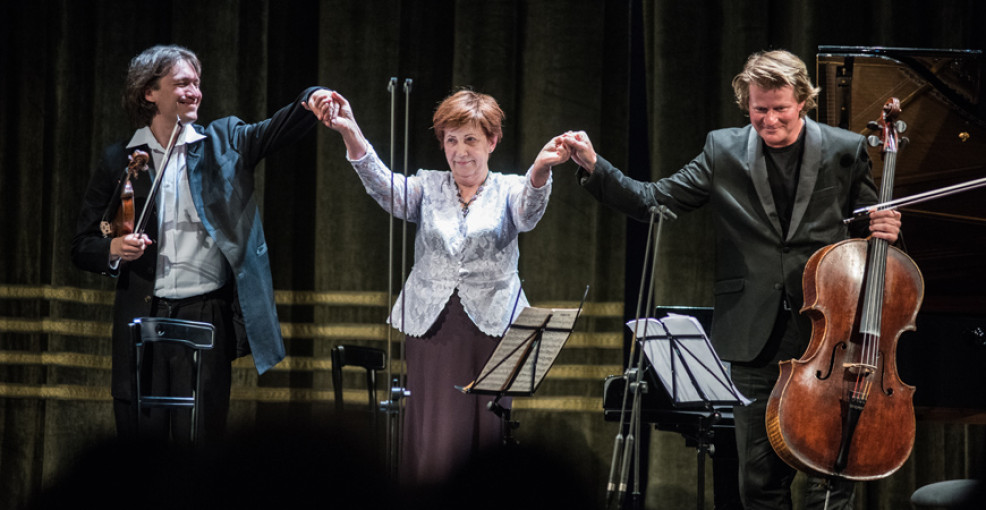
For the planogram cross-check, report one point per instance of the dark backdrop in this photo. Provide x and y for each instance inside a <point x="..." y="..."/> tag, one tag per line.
<point x="554" y="65"/>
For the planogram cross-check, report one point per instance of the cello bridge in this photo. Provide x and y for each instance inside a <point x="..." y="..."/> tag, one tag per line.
<point x="859" y="368"/>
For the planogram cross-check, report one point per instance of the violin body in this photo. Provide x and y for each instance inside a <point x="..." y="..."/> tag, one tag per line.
<point x="809" y="419"/>
<point x="123" y="220"/>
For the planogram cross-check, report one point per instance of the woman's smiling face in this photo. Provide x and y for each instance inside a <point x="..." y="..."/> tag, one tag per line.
<point x="467" y="151"/>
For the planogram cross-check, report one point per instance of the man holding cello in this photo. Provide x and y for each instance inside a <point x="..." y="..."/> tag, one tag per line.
<point x="779" y="188"/>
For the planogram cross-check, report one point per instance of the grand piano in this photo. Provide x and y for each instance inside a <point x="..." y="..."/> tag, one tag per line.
<point x="942" y="104"/>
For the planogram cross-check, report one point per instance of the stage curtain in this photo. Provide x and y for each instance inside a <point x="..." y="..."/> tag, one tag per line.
<point x="554" y="65"/>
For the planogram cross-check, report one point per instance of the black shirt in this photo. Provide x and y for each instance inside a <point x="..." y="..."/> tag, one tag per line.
<point x="783" y="171"/>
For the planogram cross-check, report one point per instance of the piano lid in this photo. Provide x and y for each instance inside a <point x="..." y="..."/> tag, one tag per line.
<point x="942" y="103"/>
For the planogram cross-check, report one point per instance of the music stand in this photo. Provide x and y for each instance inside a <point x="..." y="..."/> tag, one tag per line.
<point x="692" y="373"/>
<point x="521" y="360"/>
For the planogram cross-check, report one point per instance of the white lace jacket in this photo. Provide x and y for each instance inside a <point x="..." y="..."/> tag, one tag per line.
<point x="475" y="252"/>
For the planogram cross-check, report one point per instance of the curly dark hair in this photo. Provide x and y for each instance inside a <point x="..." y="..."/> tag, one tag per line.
<point x="145" y="73"/>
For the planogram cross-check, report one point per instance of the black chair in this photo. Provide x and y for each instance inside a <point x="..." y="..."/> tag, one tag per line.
<point x="369" y="358"/>
<point x="197" y="336"/>
<point x="951" y="494"/>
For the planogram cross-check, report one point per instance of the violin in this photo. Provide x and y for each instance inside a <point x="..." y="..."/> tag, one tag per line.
<point x="842" y="410"/>
<point x="123" y="220"/>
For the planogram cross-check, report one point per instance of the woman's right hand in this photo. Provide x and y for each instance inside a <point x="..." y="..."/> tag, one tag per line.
<point x="319" y="103"/>
<point x="334" y="111"/>
<point x="340" y="114"/>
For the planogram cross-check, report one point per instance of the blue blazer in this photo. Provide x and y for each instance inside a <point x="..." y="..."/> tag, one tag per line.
<point x="221" y="180"/>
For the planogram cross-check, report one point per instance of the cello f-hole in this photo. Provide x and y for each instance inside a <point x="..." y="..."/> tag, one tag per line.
<point x="818" y="374"/>
<point x="887" y="390"/>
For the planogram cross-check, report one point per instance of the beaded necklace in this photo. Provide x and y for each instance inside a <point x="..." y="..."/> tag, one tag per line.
<point x="466" y="203"/>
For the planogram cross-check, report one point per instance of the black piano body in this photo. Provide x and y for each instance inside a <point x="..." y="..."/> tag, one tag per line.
<point x="710" y="431"/>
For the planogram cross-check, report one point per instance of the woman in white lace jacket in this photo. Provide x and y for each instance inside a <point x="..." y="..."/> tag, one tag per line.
<point x="463" y="288"/>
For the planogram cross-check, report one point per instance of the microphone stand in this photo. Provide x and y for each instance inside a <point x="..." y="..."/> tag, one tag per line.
<point x="626" y="450"/>
<point x="394" y="406"/>
<point x="398" y="391"/>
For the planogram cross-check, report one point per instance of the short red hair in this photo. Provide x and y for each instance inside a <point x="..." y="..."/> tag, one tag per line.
<point x="464" y="107"/>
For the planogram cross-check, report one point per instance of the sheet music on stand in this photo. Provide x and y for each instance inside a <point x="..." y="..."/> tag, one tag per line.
<point x="530" y="346"/>
<point x="685" y="362"/>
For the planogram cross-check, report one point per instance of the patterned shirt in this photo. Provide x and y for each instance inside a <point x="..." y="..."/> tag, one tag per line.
<point x="473" y="250"/>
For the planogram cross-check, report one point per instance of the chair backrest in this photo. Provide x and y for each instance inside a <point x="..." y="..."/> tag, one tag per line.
<point x="369" y="358"/>
<point x="196" y="335"/>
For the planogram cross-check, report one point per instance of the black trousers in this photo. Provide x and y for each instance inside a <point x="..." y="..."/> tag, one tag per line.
<point x="168" y="369"/>
<point x="764" y="478"/>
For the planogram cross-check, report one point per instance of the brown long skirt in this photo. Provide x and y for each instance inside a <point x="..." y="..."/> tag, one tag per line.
<point x="444" y="428"/>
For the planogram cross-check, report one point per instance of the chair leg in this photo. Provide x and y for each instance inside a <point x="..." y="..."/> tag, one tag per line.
<point x="196" y="396"/>
<point x="138" y="401"/>
<point x="371" y="388"/>
<point x="337" y="378"/>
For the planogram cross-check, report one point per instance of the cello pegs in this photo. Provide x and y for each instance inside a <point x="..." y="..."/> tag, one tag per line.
<point x="901" y="126"/>
<point x="873" y="125"/>
<point x="874" y="141"/>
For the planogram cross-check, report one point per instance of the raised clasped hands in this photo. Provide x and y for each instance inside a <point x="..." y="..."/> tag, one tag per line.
<point x="335" y="113"/>
<point x="580" y="148"/>
<point x="331" y="109"/>
<point x="554" y="153"/>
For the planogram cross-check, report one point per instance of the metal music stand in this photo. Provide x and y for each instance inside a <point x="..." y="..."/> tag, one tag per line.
<point x="523" y="357"/>
<point x="683" y="359"/>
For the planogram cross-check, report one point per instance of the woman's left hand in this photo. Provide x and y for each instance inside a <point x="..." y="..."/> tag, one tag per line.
<point x="554" y="153"/>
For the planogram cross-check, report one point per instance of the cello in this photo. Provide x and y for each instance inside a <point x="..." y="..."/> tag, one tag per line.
<point x="841" y="410"/>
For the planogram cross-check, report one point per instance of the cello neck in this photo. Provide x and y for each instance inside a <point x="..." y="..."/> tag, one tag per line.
<point x="876" y="259"/>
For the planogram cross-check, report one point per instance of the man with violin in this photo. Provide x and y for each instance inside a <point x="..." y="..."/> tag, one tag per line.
<point x="779" y="189"/>
<point x="203" y="255"/>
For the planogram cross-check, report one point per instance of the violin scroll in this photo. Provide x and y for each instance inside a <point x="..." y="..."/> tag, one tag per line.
<point x="138" y="162"/>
